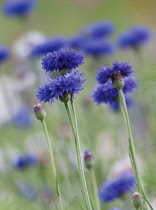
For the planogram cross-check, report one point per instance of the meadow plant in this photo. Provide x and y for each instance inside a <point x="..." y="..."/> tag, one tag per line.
<point x="64" y="87"/>
<point x="116" y="76"/>
<point x="40" y="115"/>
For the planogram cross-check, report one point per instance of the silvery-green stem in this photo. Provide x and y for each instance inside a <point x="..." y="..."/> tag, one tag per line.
<point x="52" y="162"/>
<point x="132" y="152"/>
<point x="95" y="189"/>
<point x="78" y="153"/>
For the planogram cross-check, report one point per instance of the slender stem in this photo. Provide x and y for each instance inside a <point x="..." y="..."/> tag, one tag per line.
<point x="95" y="188"/>
<point x="132" y="152"/>
<point x="52" y="162"/>
<point x="79" y="158"/>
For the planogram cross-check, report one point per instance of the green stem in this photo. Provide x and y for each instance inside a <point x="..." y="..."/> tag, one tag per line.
<point x="52" y="162"/>
<point x="132" y="152"/>
<point x="95" y="188"/>
<point x="79" y="158"/>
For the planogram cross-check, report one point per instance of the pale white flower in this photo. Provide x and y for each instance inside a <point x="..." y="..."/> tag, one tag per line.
<point x="22" y="47"/>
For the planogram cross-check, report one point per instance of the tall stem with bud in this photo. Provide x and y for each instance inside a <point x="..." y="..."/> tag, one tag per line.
<point x="40" y="115"/>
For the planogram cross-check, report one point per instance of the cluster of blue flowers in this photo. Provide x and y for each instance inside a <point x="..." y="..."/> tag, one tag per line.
<point x="69" y="82"/>
<point x="115" y="188"/>
<point x="18" y="8"/>
<point x="93" y="40"/>
<point x="49" y="45"/>
<point x="4" y="53"/>
<point x="134" y="37"/>
<point x="105" y="92"/>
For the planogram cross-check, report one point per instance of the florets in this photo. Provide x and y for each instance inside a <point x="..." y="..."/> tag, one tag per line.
<point x="115" y="73"/>
<point x="4" y="53"/>
<point x="62" y="60"/>
<point x="135" y="37"/>
<point x="115" y="188"/>
<point x="58" y="87"/>
<point x="18" y="7"/>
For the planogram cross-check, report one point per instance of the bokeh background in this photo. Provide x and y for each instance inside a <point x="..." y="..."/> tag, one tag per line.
<point x="102" y="130"/>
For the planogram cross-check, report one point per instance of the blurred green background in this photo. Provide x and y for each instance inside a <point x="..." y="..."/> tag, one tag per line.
<point x="95" y="123"/>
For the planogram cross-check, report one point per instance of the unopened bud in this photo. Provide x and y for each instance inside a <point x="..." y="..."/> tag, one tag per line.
<point x="88" y="160"/>
<point x="39" y="112"/>
<point x="136" y="200"/>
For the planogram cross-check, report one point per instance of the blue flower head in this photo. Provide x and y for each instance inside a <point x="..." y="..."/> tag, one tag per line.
<point x="99" y="29"/>
<point x="114" y="188"/>
<point x="77" y="41"/>
<point x="49" y="45"/>
<point x="57" y="87"/>
<point x="62" y="60"/>
<point x="98" y="47"/>
<point x="4" y="53"/>
<point x="18" y="7"/>
<point x="25" y="161"/>
<point x="134" y="38"/>
<point x="109" y="95"/>
<point x="118" y="71"/>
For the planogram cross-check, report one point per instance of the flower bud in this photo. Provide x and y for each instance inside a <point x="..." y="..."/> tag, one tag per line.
<point x="136" y="200"/>
<point x="88" y="160"/>
<point x="39" y="112"/>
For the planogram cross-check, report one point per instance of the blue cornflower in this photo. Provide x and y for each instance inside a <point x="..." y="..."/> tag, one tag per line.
<point x="115" y="188"/>
<point x="49" y="45"/>
<point x="77" y="41"/>
<point x="64" y="59"/>
<point x="58" y="87"/>
<point x="25" y="161"/>
<point x="109" y="95"/>
<point x="18" y="7"/>
<point x="99" y="29"/>
<point x="98" y="47"/>
<point x="117" y="72"/>
<point x="4" y="53"/>
<point x="134" y="37"/>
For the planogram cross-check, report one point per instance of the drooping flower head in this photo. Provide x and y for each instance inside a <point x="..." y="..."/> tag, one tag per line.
<point x="61" y="86"/>
<point x="4" y="53"/>
<point x="18" y="7"/>
<point x="134" y="37"/>
<point x="115" y="73"/>
<point x="98" y="47"/>
<point x="99" y="29"/>
<point x="62" y="60"/>
<point x="115" y="188"/>
<point x="49" y="45"/>
<point x="109" y="95"/>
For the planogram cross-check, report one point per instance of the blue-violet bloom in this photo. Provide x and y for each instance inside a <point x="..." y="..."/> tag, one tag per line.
<point x="118" y="71"/>
<point x="99" y="29"/>
<point x="115" y="188"/>
<point x="63" y="59"/>
<point x="98" y="47"/>
<point x="49" y="45"/>
<point x="56" y="87"/>
<point x="18" y="7"/>
<point x="134" y="37"/>
<point x="109" y="95"/>
<point x="4" y="53"/>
